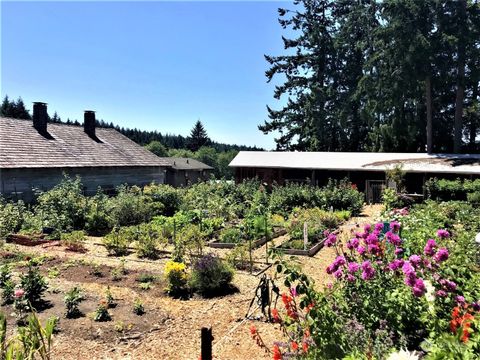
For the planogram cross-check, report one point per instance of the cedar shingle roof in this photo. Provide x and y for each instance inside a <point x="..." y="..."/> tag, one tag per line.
<point x="21" y="146"/>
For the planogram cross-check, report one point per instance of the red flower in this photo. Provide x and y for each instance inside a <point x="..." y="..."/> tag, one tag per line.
<point x="294" y="346"/>
<point x="305" y="346"/>
<point x="276" y="317"/>
<point x="277" y="355"/>
<point x="461" y="321"/>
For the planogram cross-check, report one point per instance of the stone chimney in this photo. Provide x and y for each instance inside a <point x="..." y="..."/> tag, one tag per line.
<point x="40" y="117"/>
<point x="89" y="123"/>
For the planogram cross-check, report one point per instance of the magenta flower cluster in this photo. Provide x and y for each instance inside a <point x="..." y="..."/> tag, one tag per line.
<point x="371" y="246"/>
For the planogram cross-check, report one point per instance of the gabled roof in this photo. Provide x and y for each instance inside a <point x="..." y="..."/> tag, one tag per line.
<point x="22" y="146"/>
<point x="360" y="161"/>
<point x="187" y="164"/>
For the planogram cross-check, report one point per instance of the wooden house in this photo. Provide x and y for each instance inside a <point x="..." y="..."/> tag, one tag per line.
<point x="37" y="154"/>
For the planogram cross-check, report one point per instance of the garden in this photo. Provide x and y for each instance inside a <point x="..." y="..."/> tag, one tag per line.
<point x="138" y="273"/>
<point x="114" y="271"/>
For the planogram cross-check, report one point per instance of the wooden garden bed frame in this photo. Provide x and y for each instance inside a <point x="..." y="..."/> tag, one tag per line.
<point x="257" y="243"/>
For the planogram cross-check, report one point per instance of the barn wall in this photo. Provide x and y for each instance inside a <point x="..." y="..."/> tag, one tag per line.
<point x="181" y="178"/>
<point x="18" y="183"/>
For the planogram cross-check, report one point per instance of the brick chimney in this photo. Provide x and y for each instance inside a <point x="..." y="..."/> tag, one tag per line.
<point x="89" y="123"/>
<point x="40" y="117"/>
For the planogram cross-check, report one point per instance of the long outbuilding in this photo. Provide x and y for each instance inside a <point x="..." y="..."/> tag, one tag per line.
<point x="35" y="155"/>
<point x="367" y="170"/>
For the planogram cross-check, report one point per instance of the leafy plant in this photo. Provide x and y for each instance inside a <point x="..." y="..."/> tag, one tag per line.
<point x="12" y="217"/>
<point x="8" y="289"/>
<point x="231" y="235"/>
<point x="32" y="341"/>
<point x="72" y="299"/>
<point x="210" y="274"/>
<point x="33" y="283"/>
<point x="63" y="207"/>
<point x="110" y="301"/>
<point x="101" y="313"/>
<point x="138" y="308"/>
<point x="5" y="274"/>
<point x="117" y="242"/>
<point x="130" y="207"/>
<point x="74" y="241"/>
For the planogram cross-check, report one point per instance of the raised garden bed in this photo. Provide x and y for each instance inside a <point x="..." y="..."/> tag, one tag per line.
<point x="28" y="240"/>
<point x="257" y="243"/>
<point x="308" y="252"/>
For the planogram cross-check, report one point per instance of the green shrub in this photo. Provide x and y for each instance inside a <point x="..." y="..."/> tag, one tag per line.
<point x="5" y="274"/>
<point x="12" y="217"/>
<point x="317" y="221"/>
<point x="8" y="289"/>
<point x="117" y="241"/>
<point x="239" y="257"/>
<point x="74" y="241"/>
<point x="63" y="207"/>
<point x="210" y="274"/>
<point x="176" y="276"/>
<point x="72" y="299"/>
<point x="190" y="242"/>
<point x="130" y="207"/>
<point x="33" y="283"/>
<point x="101" y="313"/>
<point x="147" y="240"/>
<point x="474" y="197"/>
<point x="98" y="220"/>
<point x="167" y="196"/>
<point x="443" y="189"/>
<point x="231" y="235"/>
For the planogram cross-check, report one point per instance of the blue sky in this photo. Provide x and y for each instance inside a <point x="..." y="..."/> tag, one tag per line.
<point x="150" y="65"/>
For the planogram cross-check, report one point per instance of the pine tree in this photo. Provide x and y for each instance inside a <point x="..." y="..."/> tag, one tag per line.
<point x="198" y="137"/>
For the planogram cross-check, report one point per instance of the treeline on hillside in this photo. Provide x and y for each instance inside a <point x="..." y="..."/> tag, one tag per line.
<point x="198" y="145"/>
<point x="378" y="75"/>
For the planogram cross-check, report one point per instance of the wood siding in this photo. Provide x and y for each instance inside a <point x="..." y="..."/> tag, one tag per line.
<point x="18" y="183"/>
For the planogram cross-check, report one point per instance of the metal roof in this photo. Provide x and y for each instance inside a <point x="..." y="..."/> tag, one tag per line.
<point x="360" y="161"/>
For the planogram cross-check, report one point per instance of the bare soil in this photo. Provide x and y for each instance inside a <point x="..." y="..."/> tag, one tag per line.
<point x="170" y="328"/>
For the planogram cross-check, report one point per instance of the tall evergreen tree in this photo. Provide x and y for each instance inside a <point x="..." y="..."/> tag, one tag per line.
<point x="198" y="137"/>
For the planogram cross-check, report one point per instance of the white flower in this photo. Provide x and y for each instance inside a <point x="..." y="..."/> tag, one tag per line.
<point x="403" y="355"/>
<point x="430" y="294"/>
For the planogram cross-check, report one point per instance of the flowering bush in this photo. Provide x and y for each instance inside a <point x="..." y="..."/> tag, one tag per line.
<point x="210" y="274"/>
<point x="384" y="297"/>
<point x="176" y="276"/>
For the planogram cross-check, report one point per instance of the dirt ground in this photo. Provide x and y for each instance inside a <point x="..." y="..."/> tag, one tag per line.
<point x="170" y="328"/>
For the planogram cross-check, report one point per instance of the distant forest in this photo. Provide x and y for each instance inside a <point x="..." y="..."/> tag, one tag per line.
<point x="16" y="109"/>
<point x="198" y="145"/>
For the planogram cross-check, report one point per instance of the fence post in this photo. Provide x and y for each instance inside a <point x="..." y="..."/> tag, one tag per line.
<point x="207" y="339"/>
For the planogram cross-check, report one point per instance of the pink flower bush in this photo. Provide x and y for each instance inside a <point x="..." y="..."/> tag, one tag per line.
<point x="373" y="251"/>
